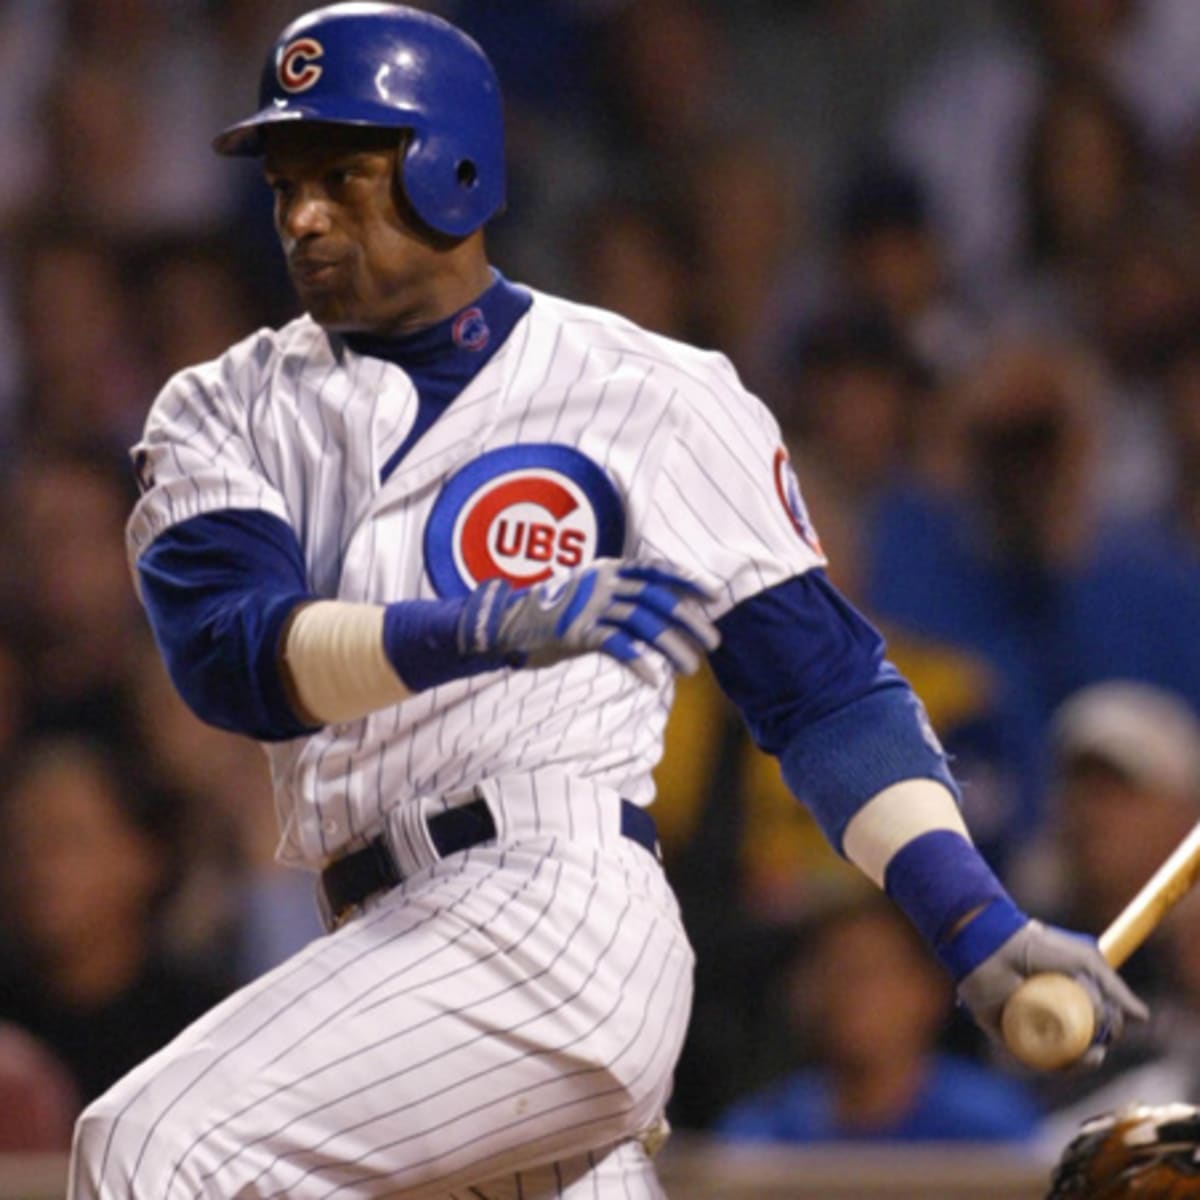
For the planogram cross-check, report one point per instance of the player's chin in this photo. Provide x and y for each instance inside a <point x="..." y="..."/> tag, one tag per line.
<point x="330" y="309"/>
<point x="324" y="291"/>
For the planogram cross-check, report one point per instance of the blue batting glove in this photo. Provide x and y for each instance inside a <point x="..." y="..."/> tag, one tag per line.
<point x="619" y="608"/>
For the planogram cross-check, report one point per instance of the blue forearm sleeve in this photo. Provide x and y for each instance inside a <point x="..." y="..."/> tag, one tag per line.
<point x="218" y="590"/>
<point x="836" y="764"/>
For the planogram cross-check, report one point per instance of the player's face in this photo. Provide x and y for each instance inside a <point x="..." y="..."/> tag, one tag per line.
<point x="357" y="258"/>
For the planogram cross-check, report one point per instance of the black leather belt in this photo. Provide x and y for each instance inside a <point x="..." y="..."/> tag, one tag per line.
<point x="352" y="879"/>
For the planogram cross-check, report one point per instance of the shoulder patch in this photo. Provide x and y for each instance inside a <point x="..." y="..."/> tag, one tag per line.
<point x="520" y="513"/>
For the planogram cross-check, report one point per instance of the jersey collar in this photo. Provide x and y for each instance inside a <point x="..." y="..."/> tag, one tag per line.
<point x="459" y="345"/>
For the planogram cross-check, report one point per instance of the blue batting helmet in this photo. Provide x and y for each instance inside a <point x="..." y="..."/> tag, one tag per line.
<point x="392" y="67"/>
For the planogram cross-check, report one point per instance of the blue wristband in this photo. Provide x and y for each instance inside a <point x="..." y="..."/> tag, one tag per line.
<point x="421" y="641"/>
<point x="937" y="879"/>
<point x="981" y="937"/>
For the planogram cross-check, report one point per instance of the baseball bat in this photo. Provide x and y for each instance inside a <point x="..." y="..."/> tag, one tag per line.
<point x="1048" y="1021"/>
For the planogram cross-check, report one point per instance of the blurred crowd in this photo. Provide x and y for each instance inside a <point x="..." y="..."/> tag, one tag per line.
<point x="955" y="246"/>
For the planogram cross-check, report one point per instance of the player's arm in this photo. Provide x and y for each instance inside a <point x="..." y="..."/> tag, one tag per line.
<point x="810" y="676"/>
<point x="251" y="649"/>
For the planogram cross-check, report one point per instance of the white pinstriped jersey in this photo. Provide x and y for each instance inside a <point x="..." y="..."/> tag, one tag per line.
<point x="295" y="423"/>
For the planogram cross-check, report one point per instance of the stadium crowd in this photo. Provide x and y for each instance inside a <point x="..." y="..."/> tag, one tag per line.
<point x="955" y="247"/>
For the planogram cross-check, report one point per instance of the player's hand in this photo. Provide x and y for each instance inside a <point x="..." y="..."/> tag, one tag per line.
<point x="1036" y="948"/>
<point x="627" y="610"/>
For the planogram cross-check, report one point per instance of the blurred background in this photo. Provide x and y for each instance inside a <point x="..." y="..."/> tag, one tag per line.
<point x="954" y="245"/>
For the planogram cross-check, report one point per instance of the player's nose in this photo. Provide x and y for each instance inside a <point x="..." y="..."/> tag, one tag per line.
<point x="306" y="213"/>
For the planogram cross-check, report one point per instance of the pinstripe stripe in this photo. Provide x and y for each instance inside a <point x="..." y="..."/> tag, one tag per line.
<point x="241" y="1000"/>
<point x="225" y="441"/>
<point x="537" y="388"/>
<point x="636" y="469"/>
<point x="513" y="368"/>
<point x="568" y="394"/>
<point x="600" y="1021"/>
<point x="328" y="478"/>
<point x="456" y="415"/>
<point x="603" y="1069"/>
<point x="716" y="488"/>
<point x="356" y="1004"/>
<point x="679" y="502"/>
<point x="704" y="381"/>
<point x="314" y="1032"/>
<point x="616" y="439"/>
<point x="576" y="1128"/>
<point x="536" y="922"/>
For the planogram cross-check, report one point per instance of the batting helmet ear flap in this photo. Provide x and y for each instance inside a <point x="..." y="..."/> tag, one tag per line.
<point x="446" y="179"/>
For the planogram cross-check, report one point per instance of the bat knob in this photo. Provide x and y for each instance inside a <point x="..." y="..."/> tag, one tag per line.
<point x="1048" y="1022"/>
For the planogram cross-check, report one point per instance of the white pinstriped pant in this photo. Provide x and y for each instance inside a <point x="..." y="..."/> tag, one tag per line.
<point x="502" y="1025"/>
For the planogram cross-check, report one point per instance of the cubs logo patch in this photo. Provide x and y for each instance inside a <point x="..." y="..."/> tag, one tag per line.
<point x="521" y="513"/>
<point x="787" y="488"/>
<point x="298" y="70"/>
<point x="470" y="330"/>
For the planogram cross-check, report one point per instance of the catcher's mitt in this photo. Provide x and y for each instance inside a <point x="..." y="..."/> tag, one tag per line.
<point x="1143" y="1152"/>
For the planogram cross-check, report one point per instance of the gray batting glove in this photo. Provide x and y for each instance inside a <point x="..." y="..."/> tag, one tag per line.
<point x="619" y="608"/>
<point x="1035" y="948"/>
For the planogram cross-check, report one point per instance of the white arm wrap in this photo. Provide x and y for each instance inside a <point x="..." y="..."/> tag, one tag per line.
<point x="893" y="817"/>
<point x="334" y="654"/>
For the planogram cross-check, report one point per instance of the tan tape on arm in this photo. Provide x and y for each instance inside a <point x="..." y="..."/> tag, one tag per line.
<point x="893" y="817"/>
<point x="334" y="662"/>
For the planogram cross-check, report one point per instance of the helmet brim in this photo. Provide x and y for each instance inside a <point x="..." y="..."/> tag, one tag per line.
<point x="246" y="138"/>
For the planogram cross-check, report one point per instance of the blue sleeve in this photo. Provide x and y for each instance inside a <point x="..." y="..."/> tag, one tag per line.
<point x="218" y="590"/>
<point x="793" y="653"/>
<point x="809" y="674"/>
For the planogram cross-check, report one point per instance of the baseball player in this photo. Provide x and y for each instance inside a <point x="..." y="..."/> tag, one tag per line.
<point x="441" y="545"/>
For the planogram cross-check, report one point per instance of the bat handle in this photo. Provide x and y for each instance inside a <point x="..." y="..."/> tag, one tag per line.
<point x="1161" y="892"/>
<point x="1048" y="1022"/>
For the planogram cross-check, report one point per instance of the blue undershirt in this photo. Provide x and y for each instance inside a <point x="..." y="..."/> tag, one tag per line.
<point x="442" y="359"/>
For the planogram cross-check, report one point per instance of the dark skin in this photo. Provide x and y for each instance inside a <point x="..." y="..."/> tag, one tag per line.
<point x="359" y="258"/>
